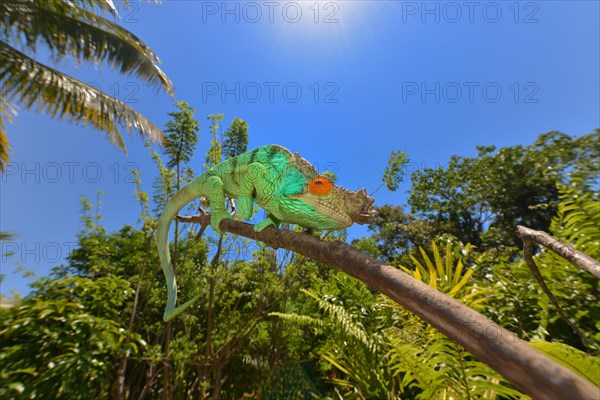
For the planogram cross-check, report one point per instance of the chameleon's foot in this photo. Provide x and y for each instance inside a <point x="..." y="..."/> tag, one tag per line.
<point x="263" y="224"/>
<point x="269" y="221"/>
<point x="215" y="220"/>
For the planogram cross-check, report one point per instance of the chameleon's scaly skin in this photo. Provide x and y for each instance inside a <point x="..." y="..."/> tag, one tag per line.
<point x="282" y="183"/>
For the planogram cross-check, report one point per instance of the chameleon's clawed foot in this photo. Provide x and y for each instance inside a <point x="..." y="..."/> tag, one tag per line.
<point x="269" y="221"/>
<point x="263" y="224"/>
<point x="233" y="207"/>
<point x="215" y="220"/>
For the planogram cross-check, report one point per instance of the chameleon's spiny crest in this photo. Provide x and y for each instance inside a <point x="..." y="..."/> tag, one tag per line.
<point x="284" y="184"/>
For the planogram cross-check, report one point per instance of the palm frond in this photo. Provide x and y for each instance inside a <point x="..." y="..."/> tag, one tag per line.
<point x="446" y="273"/>
<point x="6" y="236"/>
<point x="104" y="5"/>
<point x="7" y="113"/>
<point x="71" y="31"/>
<point x="62" y="96"/>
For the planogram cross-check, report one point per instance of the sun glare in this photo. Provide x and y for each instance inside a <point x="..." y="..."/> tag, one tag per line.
<point x="318" y="22"/>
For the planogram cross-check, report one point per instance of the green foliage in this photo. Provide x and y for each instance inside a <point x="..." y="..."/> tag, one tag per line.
<point x="357" y="354"/>
<point x="440" y="369"/>
<point x="576" y="360"/>
<point x="236" y="139"/>
<point x="397" y="233"/>
<point x="331" y="176"/>
<point x="63" y="339"/>
<point x="424" y="358"/>
<point x="393" y="174"/>
<point x="180" y="141"/>
<point x="214" y="155"/>
<point x="518" y="302"/>
<point x="483" y="198"/>
<point x="445" y="274"/>
<point x="165" y="184"/>
<point x="292" y="381"/>
<point x="379" y="350"/>
<point x="578" y="218"/>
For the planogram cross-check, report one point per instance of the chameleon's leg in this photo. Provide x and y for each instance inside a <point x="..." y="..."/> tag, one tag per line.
<point x="254" y="175"/>
<point x="245" y="205"/>
<point x="216" y="198"/>
<point x="270" y="220"/>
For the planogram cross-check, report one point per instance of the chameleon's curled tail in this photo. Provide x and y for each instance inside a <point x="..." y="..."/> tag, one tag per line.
<point x="180" y="199"/>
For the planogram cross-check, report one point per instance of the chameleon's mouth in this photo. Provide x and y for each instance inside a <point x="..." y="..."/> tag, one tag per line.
<point x="366" y="215"/>
<point x="360" y="207"/>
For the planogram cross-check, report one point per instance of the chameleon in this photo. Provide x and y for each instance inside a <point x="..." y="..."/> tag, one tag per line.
<point x="284" y="184"/>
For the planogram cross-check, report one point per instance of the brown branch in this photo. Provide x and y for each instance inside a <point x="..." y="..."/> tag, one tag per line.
<point x="529" y="370"/>
<point x="528" y="255"/>
<point x="579" y="258"/>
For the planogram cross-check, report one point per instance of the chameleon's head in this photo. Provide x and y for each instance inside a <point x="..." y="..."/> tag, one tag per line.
<point x="333" y="207"/>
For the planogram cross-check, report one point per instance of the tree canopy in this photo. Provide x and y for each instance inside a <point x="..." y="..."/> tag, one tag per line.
<point x="481" y="199"/>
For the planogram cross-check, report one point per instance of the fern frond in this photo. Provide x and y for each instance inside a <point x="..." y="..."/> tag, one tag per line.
<point x="342" y="319"/>
<point x="297" y="319"/>
<point x="576" y="360"/>
<point x="578" y="219"/>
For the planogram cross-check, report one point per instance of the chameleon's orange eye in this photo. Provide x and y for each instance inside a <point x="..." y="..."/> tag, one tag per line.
<point x="320" y="185"/>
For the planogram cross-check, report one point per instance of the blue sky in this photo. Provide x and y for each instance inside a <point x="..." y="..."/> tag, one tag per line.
<point x="343" y="83"/>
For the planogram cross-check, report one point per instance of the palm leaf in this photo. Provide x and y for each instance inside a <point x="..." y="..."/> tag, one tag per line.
<point x="65" y="97"/>
<point x="441" y="270"/>
<point x="463" y="281"/>
<point x="449" y="266"/>
<point x="6" y="236"/>
<point x="71" y="31"/>
<point x="7" y="113"/>
<point x="457" y="271"/>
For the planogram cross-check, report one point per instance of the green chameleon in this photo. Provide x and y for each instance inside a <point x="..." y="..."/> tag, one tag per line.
<point x="282" y="183"/>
